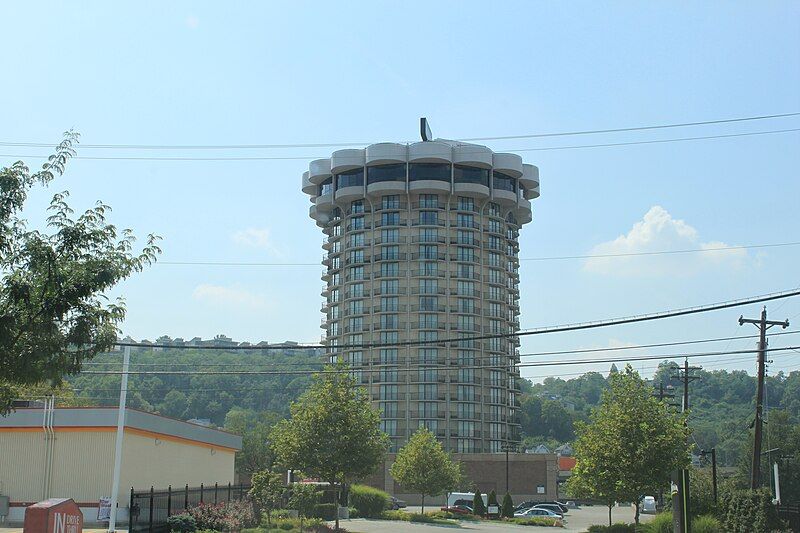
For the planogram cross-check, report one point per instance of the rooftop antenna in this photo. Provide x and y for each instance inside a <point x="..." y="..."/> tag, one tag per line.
<point x="425" y="129"/>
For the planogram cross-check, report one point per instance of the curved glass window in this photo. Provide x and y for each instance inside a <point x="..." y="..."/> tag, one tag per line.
<point x="429" y="171"/>
<point x="350" y="178"/>
<point x="504" y="182"/>
<point x="326" y="187"/>
<point x="465" y="174"/>
<point x="394" y="172"/>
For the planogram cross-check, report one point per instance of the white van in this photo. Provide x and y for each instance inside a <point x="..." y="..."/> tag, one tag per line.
<point x="648" y="505"/>
<point x="463" y="498"/>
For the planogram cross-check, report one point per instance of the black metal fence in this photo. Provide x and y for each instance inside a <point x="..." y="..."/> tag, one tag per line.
<point x="791" y="514"/>
<point x="149" y="509"/>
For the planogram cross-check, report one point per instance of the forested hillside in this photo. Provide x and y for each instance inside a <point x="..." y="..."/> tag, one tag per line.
<point x="722" y="406"/>
<point x="722" y="402"/>
<point x="209" y="395"/>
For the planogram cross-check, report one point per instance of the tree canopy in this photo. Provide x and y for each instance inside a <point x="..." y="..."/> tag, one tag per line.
<point x="631" y="445"/>
<point x="334" y="432"/>
<point x="54" y="313"/>
<point x="424" y="467"/>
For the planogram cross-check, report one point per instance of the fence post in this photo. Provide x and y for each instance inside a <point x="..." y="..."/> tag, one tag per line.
<point x="130" y="512"/>
<point x="169" y="501"/>
<point x="186" y="498"/>
<point x="150" y="524"/>
<point x="201" y="493"/>
<point x="215" y="493"/>
<point x="229" y="491"/>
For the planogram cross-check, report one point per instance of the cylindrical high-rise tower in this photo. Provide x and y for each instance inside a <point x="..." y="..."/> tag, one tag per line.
<point x="422" y="245"/>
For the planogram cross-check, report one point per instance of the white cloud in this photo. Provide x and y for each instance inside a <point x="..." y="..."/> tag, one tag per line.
<point x="257" y="238"/>
<point x="192" y="22"/>
<point x="656" y="232"/>
<point x="228" y="296"/>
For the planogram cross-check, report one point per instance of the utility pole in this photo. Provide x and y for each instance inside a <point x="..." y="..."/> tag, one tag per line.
<point x="681" y="510"/>
<point x="662" y="394"/>
<point x="763" y="325"/>
<point x="713" y="453"/>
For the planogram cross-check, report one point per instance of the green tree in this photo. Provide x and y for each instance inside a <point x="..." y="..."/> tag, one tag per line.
<point x="478" y="507"/>
<point x="507" y="510"/>
<point x="304" y="497"/>
<point x="630" y="446"/>
<point x="334" y="433"/>
<point x="53" y="309"/>
<point x="491" y="499"/>
<point x="255" y="428"/>
<point x="423" y="466"/>
<point x="267" y="490"/>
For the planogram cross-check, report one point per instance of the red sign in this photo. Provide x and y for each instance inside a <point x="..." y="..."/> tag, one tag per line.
<point x="56" y="515"/>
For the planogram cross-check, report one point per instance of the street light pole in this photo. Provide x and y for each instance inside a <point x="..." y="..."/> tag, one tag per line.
<point x="508" y="448"/>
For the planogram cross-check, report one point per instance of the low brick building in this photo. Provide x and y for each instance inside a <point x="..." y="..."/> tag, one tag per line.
<point x="530" y="476"/>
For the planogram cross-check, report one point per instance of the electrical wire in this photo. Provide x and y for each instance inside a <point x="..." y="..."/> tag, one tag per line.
<point x="546" y="258"/>
<point x="531" y="354"/>
<point x="309" y="158"/>
<point x="400" y="369"/>
<point x="344" y="144"/>
<point x="521" y="333"/>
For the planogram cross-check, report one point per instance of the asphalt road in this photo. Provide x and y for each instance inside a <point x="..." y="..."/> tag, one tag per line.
<point x="577" y="521"/>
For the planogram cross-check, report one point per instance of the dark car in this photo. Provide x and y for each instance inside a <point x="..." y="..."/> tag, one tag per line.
<point x="458" y="509"/>
<point x="396" y="504"/>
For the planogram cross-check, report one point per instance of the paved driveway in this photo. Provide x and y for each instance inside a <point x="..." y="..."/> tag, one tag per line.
<point x="577" y="521"/>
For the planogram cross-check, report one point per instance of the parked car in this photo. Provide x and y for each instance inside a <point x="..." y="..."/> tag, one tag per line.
<point x="648" y="505"/>
<point x="555" y="509"/>
<point x="397" y="504"/>
<point x="528" y="513"/>
<point x="561" y="507"/>
<point x="525" y="505"/>
<point x="458" y="509"/>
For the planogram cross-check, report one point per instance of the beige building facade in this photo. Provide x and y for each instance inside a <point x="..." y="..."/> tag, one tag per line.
<point x="72" y="456"/>
<point x="422" y="283"/>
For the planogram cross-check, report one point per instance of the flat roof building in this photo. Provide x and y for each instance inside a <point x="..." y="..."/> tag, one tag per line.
<point x="71" y="454"/>
<point x="421" y="248"/>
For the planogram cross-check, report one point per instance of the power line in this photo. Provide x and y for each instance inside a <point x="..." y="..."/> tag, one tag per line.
<point x="309" y="158"/>
<point x="522" y="333"/>
<point x="167" y="388"/>
<point x="402" y="369"/>
<point x="546" y="258"/>
<point x="532" y="354"/>
<point x="345" y="144"/>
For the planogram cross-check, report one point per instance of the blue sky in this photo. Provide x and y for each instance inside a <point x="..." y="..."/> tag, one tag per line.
<point x="314" y="72"/>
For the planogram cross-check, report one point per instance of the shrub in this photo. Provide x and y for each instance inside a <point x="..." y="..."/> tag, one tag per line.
<point x="619" y="527"/>
<point x="538" y="521"/>
<point x="749" y="511"/>
<point x="325" y="511"/>
<point x="507" y="510"/>
<point x="369" y="502"/>
<point x="433" y="518"/>
<point x="230" y="516"/>
<point x="706" y="524"/>
<point x="661" y="523"/>
<point x="183" y="523"/>
<point x="447" y="515"/>
<point x="478" y="506"/>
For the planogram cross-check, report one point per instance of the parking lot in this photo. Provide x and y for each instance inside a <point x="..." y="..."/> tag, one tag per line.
<point x="577" y="521"/>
